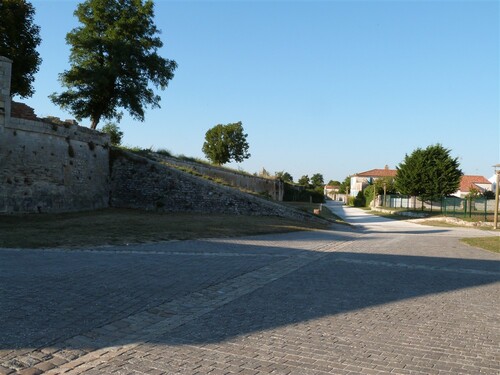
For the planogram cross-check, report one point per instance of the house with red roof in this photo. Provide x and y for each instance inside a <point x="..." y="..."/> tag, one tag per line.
<point x="478" y="183"/>
<point x="360" y="181"/>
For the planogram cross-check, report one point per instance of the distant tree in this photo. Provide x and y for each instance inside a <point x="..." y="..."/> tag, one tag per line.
<point x="409" y="173"/>
<point x="430" y="173"/>
<point x="317" y="180"/>
<point x="113" y="59"/>
<point x="488" y="194"/>
<point x="345" y="186"/>
<point x="474" y="193"/>
<point x="443" y="172"/>
<point x="114" y="132"/>
<point x="334" y="183"/>
<point x="304" y="180"/>
<point x="224" y="143"/>
<point x="19" y="38"/>
<point x="284" y="176"/>
<point x="389" y="184"/>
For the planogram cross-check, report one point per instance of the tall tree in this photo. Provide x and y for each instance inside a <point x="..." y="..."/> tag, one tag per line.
<point x="443" y="172"/>
<point x="409" y="174"/>
<point x="113" y="59"/>
<point x="224" y="143"/>
<point x="317" y="180"/>
<point x="19" y="38"/>
<point x="429" y="173"/>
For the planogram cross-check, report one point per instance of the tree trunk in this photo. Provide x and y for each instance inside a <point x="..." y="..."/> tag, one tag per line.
<point x="94" y="122"/>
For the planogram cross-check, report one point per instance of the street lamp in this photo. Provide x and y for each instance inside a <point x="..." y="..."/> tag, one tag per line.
<point x="495" y="216"/>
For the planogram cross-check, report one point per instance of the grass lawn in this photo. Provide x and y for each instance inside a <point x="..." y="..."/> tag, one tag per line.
<point x="122" y="226"/>
<point x="487" y="243"/>
<point x="325" y="213"/>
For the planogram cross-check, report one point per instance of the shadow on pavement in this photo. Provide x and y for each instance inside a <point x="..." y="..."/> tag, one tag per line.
<point x="47" y="297"/>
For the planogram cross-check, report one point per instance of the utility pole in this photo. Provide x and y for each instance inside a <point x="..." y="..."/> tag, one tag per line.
<point x="495" y="216"/>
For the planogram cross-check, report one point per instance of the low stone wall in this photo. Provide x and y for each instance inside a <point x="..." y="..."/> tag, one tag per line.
<point x="137" y="182"/>
<point x="400" y="213"/>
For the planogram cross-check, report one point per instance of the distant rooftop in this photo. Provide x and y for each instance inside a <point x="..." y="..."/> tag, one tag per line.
<point x="467" y="182"/>
<point x="386" y="172"/>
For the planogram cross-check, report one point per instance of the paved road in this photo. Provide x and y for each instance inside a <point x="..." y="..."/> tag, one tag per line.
<point x="380" y="297"/>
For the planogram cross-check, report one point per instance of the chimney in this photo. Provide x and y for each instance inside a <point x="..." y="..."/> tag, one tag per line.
<point x="5" y="74"/>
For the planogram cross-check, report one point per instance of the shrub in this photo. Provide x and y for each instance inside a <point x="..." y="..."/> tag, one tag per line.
<point x="350" y="201"/>
<point x="114" y="132"/>
<point x="294" y="193"/>
<point x="164" y="152"/>
<point x="360" y="200"/>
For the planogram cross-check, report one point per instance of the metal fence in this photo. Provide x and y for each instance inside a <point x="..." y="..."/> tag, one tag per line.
<point x="476" y="208"/>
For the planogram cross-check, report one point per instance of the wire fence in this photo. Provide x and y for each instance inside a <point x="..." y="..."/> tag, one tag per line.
<point x="474" y="208"/>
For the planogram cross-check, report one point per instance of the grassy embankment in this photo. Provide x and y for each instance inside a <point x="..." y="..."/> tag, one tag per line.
<point x="121" y="226"/>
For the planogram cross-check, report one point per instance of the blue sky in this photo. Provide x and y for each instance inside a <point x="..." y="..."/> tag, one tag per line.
<point x="331" y="87"/>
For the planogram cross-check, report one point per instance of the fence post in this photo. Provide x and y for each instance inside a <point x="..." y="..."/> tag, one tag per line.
<point x="485" y="201"/>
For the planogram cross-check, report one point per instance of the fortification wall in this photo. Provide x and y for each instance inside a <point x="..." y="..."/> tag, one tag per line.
<point x="47" y="167"/>
<point x="273" y="188"/>
<point x="137" y="182"/>
<point x="59" y="167"/>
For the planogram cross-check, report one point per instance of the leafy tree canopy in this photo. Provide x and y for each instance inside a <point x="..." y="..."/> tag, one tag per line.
<point x="114" y="132"/>
<point x="113" y="59"/>
<point x="334" y="183"/>
<point x="304" y="180"/>
<point x="409" y="173"/>
<point x="430" y="173"/>
<point x="19" y="38"/>
<point x="317" y="180"/>
<point x="284" y="176"/>
<point x="388" y="183"/>
<point x="345" y="186"/>
<point x="224" y="143"/>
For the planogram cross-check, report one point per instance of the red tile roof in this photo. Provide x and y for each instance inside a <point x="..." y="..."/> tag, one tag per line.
<point x="466" y="182"/>
<point x="386" y="172"/>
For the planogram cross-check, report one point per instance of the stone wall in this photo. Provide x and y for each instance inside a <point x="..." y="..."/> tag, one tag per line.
<point x="273" y="188"/>
<point x="45" y="167"/>
<point x="137" y="182"/>
<point x="54" y="166"/>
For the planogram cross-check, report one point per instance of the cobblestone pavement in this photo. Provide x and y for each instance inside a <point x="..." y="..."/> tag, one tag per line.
<point x="382" y="297"/>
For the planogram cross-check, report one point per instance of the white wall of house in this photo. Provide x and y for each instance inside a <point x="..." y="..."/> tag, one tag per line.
<point x="359" y="184"/>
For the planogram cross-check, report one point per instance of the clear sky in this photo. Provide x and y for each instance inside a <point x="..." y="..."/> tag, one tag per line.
<point x="331" y="87"/>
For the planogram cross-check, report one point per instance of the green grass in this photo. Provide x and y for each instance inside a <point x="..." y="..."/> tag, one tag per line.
<point x="325" y="213"/>
<point x="122" y="226"/>
<point x="486" y="243"/>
